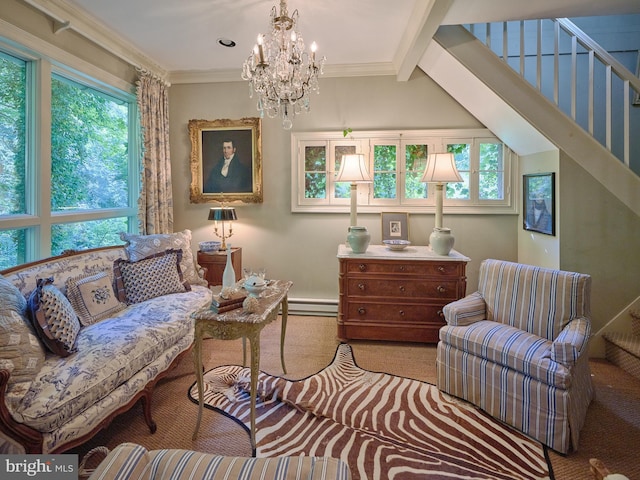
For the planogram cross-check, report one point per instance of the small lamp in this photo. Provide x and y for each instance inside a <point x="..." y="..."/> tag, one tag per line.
<point x="354" y="169"/>
<point x="223" y="214"/>
<point x="441" y="168"/>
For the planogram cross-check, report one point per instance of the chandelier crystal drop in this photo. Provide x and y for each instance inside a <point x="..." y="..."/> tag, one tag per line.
<point x="280" y="71"/>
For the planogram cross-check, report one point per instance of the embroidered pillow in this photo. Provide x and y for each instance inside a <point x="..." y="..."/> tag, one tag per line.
<point x="20" y="351"/>
<point x="151" y="277"/>
<point x="92" y="297"/>
<point x="142" y="246"/>
<point x="53" y="318"/>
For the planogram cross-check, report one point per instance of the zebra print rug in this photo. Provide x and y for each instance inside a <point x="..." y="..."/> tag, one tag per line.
<point x="383" y="426"/>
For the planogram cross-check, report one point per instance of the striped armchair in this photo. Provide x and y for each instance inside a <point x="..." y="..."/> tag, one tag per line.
<point x="517" y="348"/>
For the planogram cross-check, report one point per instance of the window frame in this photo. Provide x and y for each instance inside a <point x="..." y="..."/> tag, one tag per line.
<point x="436" y="141"/>
<point x="38" y="219"/>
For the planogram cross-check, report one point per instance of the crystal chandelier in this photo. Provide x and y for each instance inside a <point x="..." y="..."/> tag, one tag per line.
<point x="279" y="70"/>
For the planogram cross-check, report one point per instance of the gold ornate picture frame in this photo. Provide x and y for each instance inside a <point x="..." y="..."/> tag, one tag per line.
<point x="239" y="178"/>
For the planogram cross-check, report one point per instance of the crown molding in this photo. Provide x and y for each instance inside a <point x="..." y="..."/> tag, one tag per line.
<point x="234" y="75"/>
<point x="66" y="16"/>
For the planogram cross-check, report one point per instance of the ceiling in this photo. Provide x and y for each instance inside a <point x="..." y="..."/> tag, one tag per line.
<point x="357" y="36"/>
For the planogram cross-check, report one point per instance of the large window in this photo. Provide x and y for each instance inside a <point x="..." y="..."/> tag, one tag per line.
<point x="396" y="162"/>
<point x="69" y="160"/>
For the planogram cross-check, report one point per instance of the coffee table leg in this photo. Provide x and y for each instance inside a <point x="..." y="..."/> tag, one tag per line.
<point x="283" y="330"/>
<point x="254" y="341"/>
<point x="197" y="360"/>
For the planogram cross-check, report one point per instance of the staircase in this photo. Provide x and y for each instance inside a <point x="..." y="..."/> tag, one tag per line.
<point x="623" y="349"/>
<point x="512" y="87"/>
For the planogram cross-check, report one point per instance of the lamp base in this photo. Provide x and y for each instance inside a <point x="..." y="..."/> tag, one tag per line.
<point x="358" y="239"/>
<point x="441" y="240"/>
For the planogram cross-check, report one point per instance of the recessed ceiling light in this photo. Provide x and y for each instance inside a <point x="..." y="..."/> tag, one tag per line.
<point x="226" y="42"/>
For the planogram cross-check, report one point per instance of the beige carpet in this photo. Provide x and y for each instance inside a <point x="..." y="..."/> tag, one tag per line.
<point x="611" y="433"/>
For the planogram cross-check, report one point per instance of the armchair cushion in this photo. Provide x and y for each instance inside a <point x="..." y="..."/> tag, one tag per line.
<point x="508" y="347"/>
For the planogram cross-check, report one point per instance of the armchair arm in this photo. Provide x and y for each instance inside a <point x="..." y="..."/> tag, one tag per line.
<point x="571" y="342"/>
<point x="465" y="311"/>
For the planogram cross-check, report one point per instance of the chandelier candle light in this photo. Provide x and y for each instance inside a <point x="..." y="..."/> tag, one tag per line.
<point x="441" y="168"/>
<point x="279" y="70"/>
<point x="223" y="214"/>
<point x="354" y="169"/>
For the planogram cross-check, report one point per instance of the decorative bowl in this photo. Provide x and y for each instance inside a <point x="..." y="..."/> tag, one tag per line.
<point x="210" y="246"/>
<point x="396" y="244"/>
<point x="255" y="285"/>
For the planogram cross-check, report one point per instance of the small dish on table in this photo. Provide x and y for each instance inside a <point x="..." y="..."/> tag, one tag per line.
<point x="396" y="245"/>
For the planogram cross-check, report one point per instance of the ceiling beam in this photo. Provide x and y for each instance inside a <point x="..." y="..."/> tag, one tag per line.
<point x="425" y="20"/>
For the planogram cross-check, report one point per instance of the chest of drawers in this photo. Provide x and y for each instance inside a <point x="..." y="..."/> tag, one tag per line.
<point x="397" y="295"/>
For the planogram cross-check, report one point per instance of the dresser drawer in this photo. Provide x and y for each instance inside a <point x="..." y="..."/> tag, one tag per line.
<point x="395" y="312"/>
<point x="401" y="288"/>
<point x="405" y="268"/>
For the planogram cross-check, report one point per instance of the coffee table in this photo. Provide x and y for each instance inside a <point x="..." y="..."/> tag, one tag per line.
<point x="236" y="324"/>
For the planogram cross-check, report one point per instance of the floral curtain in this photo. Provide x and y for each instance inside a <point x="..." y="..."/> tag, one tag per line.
<point x="155" y="206"/>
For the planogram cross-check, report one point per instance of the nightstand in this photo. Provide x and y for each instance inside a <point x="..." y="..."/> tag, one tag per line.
<point x="215" y="262"/>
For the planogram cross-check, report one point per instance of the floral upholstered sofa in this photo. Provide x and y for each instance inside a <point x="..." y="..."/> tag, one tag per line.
<point x="84" y="336"/>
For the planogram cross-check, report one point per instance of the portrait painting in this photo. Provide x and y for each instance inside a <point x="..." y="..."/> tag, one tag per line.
<point x="226" y="161"/>
<point x="539" y="203"/>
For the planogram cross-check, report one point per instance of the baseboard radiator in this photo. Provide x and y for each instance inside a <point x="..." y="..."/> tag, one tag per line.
<point x="313" y="307"/>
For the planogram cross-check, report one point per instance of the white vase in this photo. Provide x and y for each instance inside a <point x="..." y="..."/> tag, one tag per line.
<point x="229" y="274"/>
<point x="358" y="239"/>
<point x="441" y="240"/>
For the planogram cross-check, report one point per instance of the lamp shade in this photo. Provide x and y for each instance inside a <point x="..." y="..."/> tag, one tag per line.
<point x="354" y="169"/>
<point x="222" y="214"/>
<point x="441" y="167"/>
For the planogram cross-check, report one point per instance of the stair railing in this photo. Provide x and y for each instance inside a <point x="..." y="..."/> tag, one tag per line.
<point x="611" y="87"/>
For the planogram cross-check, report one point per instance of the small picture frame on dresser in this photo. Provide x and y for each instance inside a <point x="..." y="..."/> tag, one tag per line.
<point x="395" y="225"/>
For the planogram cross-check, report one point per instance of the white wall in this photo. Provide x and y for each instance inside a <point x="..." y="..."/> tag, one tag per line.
<point x="303" y="247"/>
<point x="537" y="248"/>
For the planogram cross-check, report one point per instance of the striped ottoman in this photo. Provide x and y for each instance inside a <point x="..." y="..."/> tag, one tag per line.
<point x="131" y="461"/>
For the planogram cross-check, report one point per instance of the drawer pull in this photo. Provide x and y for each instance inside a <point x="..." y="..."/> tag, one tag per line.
<point x="402" y="268"/>
<point x="401" y="313"/>
<point x="402" y="289"/>
<point x="362" y="267"/>
<point x="441" y="289"/>
<point x="362" y="311"/>
<point x="440" y="313"/>
<point x="361" y="286"/>
<point x="441" y="269"/>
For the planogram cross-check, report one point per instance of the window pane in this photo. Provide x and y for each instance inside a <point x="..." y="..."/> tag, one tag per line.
<point x="384" y="168"/>
<point x="460" y="190"/>
<point x="89" y="148"/>
<point x="315" y="176"/>
<point x="342" y="189"/>
<point x="491" y="175"/>
<point x="315" y="185"/>
<point x="13" y="99"/>
<point x="83" y="235"/>
<point x="416" y="162"/>
<point x="12" y="248"/>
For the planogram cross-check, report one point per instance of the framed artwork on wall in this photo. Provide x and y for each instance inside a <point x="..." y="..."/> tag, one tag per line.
<point x="226" y="161"/>
<point x="395" y="226"/>
<point x="539" y="204"/>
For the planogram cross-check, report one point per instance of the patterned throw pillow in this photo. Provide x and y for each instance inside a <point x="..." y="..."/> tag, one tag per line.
<point x="93" y="298"/>
<point x="143" y="246"/>
<point x="53" y="318"/>
<point x="20" y="351"/>
<point x="10" y="297"/>
<point x="151" y="277"/>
